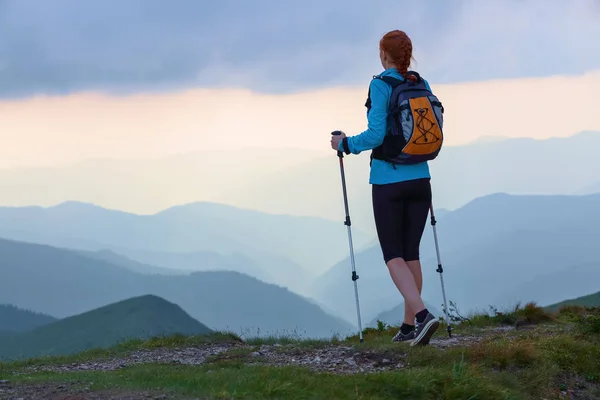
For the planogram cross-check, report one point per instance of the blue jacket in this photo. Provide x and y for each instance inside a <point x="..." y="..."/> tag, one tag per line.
<point x="383" y="172"/>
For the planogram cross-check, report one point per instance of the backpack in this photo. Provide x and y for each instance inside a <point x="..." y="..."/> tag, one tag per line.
<point x="414" y="125"/>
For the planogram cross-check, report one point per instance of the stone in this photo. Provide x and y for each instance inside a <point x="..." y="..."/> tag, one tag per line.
<point x="350" y="361"/>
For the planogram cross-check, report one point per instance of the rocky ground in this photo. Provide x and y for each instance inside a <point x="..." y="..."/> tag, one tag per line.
<point x="342" y="359"/>
<point x="331" y="358"/>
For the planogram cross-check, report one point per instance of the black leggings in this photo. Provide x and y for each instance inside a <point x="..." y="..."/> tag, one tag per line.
<point x="401" y="211"/>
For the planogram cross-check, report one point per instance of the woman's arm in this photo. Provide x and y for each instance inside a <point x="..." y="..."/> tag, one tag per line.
<point x="377" y="120"/>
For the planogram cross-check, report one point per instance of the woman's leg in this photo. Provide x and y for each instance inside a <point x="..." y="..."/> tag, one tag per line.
<point x="405" y="282"/>
<point x="415" y="269"/>
<point x="400" y="216"/>
<point x="415" y="219"/>
<point x="390" y="211"/>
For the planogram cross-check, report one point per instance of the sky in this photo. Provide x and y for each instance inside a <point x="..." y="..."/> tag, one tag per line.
<point x="145" y="78"/>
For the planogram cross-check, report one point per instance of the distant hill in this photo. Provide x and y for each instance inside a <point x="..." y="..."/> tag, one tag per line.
<point x="212" y="261"/>
<point x="14" y="319"/>
<point x="64" y="283"/>
<point x="164" y="263"/>
<point x="138" y="185"/>
<point x="589" y="189"/>
<point x="570" y="281"/>
<point x="141" y="317"/>
<point x="283" y="181"/>
<point x="495" y="251"/>
<point x="591" y="300"/>
<point x="122" y="261"/>
<point x="312" y="243"/>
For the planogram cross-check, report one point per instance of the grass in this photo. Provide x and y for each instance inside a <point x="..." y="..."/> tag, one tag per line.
<point x="127" y="346"/>
<point x="227" y="382"/>
<point x="554" y="352"/>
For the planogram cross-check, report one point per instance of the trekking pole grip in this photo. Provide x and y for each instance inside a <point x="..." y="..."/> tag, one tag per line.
<point x="337" y="133"/>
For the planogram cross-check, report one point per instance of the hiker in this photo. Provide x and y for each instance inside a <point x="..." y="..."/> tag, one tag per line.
<point x="401" y="193"/>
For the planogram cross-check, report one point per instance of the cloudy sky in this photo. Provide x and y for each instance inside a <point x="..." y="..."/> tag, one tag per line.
<point x="109" y="78"/>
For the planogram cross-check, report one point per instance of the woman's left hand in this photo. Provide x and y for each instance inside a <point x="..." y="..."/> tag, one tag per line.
<point x="336" y="139"/>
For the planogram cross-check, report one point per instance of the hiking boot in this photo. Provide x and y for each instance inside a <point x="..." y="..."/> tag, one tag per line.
<point x="404" y="337"/>
<point x="424" y="330"/>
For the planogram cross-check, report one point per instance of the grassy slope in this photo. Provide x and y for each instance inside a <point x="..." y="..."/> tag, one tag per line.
<point x="591" y="300"/>
<point x="139" y="317"/>
<point x="561" y="354"/>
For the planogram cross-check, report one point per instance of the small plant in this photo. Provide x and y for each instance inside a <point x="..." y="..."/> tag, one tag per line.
<point x="381" y="326"/>
<point x="588" y="324"/>
<point x="571" y="310"/>
<point x="458" y="369"/>
<point x="454" y="313"/>
<point x="532" y="314"/>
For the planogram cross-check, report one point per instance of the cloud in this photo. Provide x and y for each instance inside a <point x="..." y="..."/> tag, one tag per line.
<point x="50" y="131"/>
<point x="63" y="46"/>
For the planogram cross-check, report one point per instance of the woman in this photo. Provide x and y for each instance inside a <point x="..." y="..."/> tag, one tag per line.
<point x="401" y="195"/>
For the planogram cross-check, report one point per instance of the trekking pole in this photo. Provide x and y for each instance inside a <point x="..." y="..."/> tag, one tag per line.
<point x="440" y="269"/>
<point x="347" y="223"/>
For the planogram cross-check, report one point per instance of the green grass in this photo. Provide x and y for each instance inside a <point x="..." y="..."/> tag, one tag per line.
<point x="557" y="352"/>
<point x="123" y="348"/>
<point x="258" y="382"/>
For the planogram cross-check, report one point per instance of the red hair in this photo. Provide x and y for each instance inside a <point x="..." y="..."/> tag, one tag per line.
<point x="398" y="47"/>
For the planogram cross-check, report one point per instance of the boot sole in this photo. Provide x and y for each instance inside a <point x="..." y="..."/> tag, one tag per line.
<point x="426" y="333"/>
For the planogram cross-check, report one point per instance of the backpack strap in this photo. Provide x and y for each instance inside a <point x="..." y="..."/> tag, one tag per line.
<point x="368" y="102"/>
<point x="417" y="76"/>
<point x="393" y="82"/>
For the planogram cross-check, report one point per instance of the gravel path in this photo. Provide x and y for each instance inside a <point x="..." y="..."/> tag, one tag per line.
<point x="340" y="359"/>
<point x="187" y="356"/>
<point x="331" y="358"/>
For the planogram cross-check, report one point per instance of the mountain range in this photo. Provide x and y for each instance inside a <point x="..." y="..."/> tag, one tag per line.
<point x="63" y="283"/>
<point x="497" y="250"/>
<point x="459" y="175"/>
<point x="306" y="182"/>
<point x="281" y="249"/>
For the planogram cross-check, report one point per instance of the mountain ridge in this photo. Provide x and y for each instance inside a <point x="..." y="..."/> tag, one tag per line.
<point x="47" y="279"/>
<point x="139" y="317"/>
<point x="494" y="242"/>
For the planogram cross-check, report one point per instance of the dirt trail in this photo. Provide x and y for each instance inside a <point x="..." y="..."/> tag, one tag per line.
<point x="341" y="359"/>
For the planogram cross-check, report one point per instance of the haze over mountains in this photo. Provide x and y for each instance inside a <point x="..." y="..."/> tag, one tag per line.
<point x="460" y="174"/>
<point x="298" y="182"/>
<point x="197" y="236"/>
<point x="496" y="250"/>
<point x="63" y="283"/>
